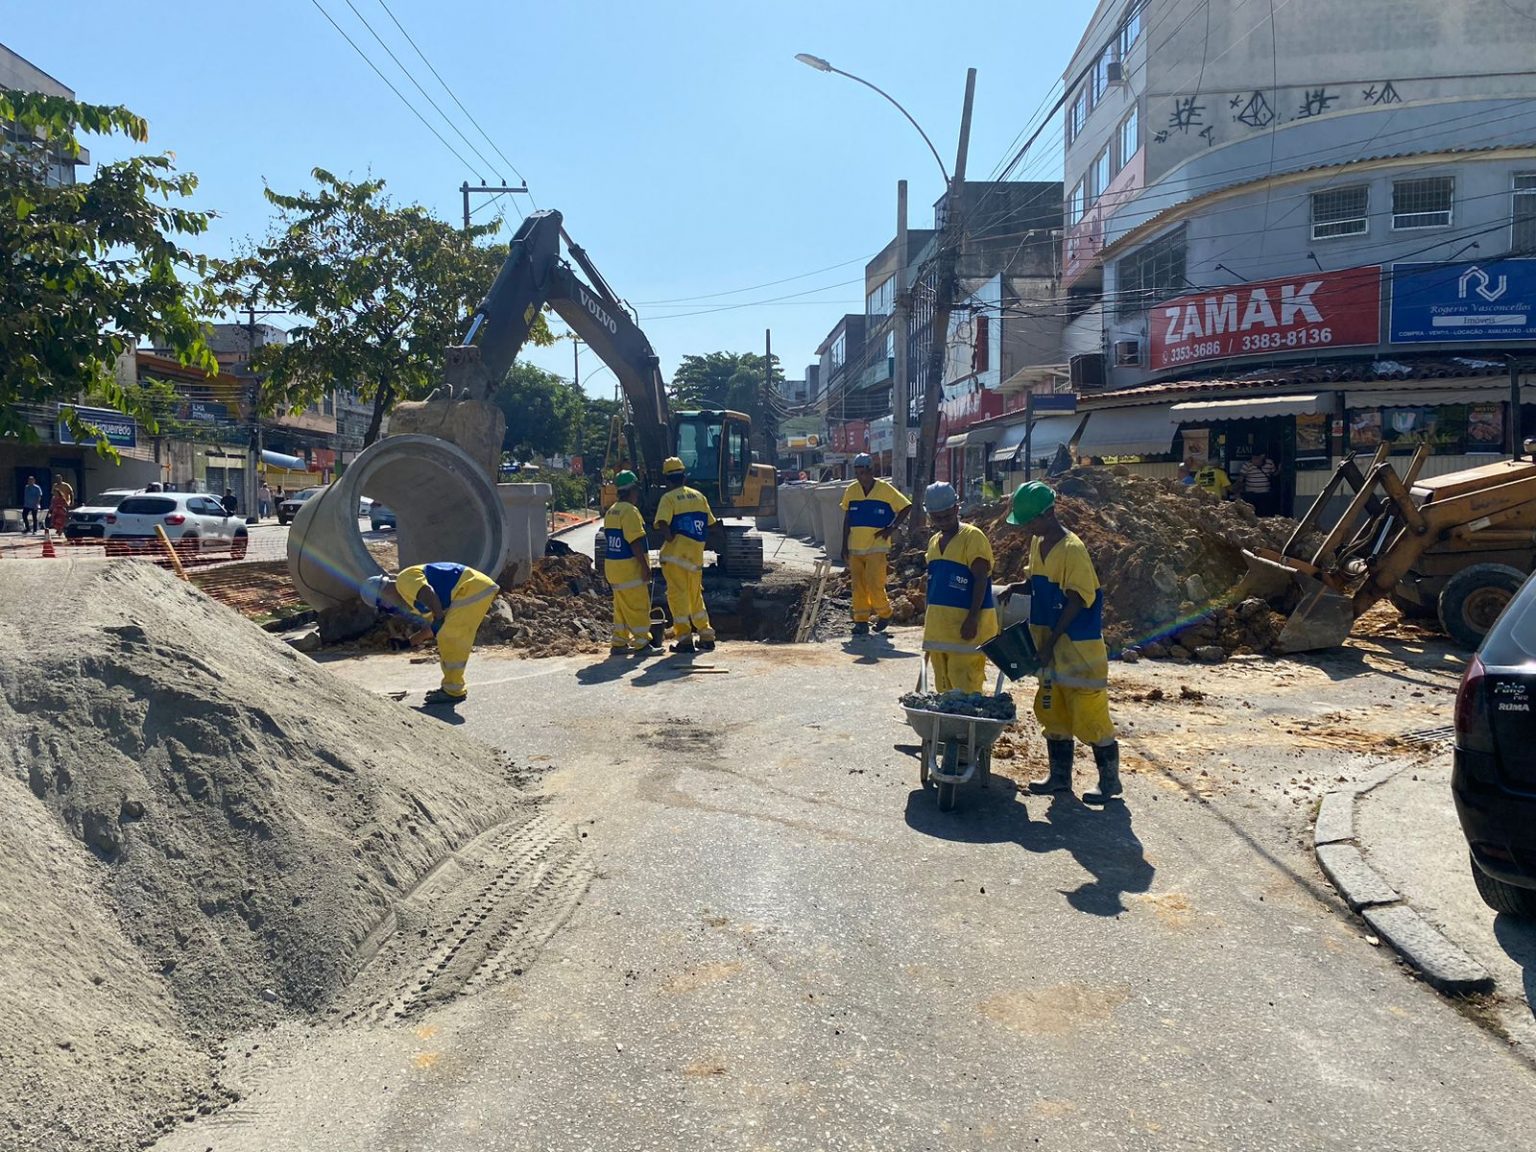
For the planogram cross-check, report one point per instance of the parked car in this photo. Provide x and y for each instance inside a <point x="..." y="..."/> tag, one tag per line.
<point x="290" y="506"/>
<point x="363" y="504"/>
<point x="380" y="517"/>
<point x="1493" y="777"/>
<point x="88" y="522"/>
<point x="196" y="524"/>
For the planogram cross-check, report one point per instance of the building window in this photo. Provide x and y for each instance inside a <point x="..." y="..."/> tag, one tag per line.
<point x="1130" y="31"/>
<point x="1154" y="273"/>
<point x="890" y="350"/>
<point x="1524" y="215"/>
<point x="839" y="350"/>
<point x="878" y="302"/>
<point x="1340" y="212"/>
<point x="1422" y="203"/>
<point x="1102" y="173"/>
<point x="1128" y="138"/>
<point x="330" y="404"/>
<point x="1099" y="81"/>
<point x="1076" y="205"/>
<point x="1077" y="115"/>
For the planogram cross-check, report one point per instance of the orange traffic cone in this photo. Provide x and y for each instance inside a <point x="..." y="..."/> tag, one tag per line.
<point x="48" y="552"/>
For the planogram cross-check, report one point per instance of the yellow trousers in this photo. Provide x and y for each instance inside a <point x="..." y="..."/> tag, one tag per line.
<point x="868" y="574"/>
<point x="1082" y="713"/>
<point x="958" y="670"/>
<point x="631" y="616"/>
<point x="456" y="638"/>
<point x="685" y="600"/>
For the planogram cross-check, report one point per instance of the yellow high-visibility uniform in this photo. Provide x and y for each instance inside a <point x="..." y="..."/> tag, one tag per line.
<point x="687" y="511"/>
<point x="466" y="595"/>
<point x="1077" y="701"/>
<point x="867" y="513"/>
<point x="957" y="662"/>
<point x="1213" y="480"/>
<point x="623" y="533"/>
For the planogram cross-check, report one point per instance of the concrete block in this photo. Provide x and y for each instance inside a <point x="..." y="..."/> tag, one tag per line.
<point x="525" y="514"/>
<point x="1356" y="881"/>
<point x="1443" y="965"/>
<point x="1335" y="819"/>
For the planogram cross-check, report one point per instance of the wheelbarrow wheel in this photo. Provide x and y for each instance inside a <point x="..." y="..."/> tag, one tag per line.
<point x="951" y="765"/>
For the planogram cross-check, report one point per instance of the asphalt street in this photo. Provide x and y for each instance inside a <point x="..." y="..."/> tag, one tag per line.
<point x="787" y="946"/>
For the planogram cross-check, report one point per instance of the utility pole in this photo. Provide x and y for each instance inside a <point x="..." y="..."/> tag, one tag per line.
<point x="944" y="299"/>
<point x="901" y="403"/>
<point x="466" y="188"/>
<point x="770" y="420"/>
<point x="252" y="478"/>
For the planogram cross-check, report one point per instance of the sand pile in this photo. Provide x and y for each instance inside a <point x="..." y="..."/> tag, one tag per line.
<point x="1169" y="558"/>
<point x="201" y="826"/>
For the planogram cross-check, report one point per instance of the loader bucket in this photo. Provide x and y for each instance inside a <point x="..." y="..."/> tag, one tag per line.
<point x="1267" y="579"/>
<point x="1321" y="617"/>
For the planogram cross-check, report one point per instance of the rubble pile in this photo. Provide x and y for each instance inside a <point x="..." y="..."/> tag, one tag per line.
<point x="957" y="703"/>
<point x="562" y="610"/>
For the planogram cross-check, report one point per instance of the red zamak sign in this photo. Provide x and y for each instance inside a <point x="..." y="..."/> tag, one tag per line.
<point x="1296" y="314"/>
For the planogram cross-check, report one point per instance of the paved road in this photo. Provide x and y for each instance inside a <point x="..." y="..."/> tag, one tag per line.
<point x="786" y="946"/>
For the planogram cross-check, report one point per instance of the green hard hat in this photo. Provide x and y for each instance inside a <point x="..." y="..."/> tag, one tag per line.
<point x="1029" y="501"/>
<point x="625" y="479"/>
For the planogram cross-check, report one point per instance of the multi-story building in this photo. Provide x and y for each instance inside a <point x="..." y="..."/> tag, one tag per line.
<point x="18" y="74"/>
<point x="1301" y="230"/>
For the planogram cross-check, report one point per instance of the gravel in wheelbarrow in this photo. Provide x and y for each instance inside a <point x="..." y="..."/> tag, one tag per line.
<point x="977" y="704"/>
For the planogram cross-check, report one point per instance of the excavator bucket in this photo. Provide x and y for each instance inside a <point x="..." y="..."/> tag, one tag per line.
<point x="1320" y="618"/>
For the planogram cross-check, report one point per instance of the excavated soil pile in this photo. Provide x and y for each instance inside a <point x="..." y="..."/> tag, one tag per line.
<point x="1169" y="559"/>
<point x="563" y="610"/>
<point x="201" y="827"/>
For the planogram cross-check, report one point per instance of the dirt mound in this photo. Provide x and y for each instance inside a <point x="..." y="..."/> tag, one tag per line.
<point x="201" y="828"/>
<point x="564" y="609"/>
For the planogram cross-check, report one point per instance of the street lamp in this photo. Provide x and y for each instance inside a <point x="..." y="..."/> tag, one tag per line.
<point x="821" y="65"/>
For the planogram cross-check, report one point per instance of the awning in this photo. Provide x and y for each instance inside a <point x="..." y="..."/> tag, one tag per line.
<point x="974" y="436"/>
<point x="1251" y="408"/>
<point x="1144" y="431"/>
<point x="1482" y="392"/>
<point x="1050" y="432"/>
<point x="278" y="460"/>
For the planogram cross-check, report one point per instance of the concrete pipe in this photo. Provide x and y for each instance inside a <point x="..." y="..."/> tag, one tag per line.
<point x="446" y="510"/>
<point x="829" y="502"/>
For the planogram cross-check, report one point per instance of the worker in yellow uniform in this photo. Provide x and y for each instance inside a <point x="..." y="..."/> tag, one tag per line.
<point x="1066" y="622"/>
<point x="961" y="615"/>
<point x="627" y="567"/>
<point x="872" y="511"/>
<point x="684" y="518"/>
<point x="1211" y="477"/>
<point x="450" y="598"/>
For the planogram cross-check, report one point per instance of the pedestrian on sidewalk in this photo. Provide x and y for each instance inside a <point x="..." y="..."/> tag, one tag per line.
<point x="1258" y="478"/>
<point x="264" y="501"/>
<point x="872" y="511"/>
<point x="1066" y="622"/>
<point x="451" y="599"/>
<point x="63" y="501"/>
<point x="1212" y="478"/>
<point x="627" y="568"/>
<point x="231" y="505"/>
<point x="31" y="504"/>
<point x="683" y="515"/>
<point x="961" y="615"/>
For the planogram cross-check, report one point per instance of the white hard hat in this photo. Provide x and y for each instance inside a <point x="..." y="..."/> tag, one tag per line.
<point x="371" y="589"/>
<point x="940" y="497"/>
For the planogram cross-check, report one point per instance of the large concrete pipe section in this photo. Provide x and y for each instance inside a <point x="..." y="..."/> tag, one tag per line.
<point x="446" y="509"/>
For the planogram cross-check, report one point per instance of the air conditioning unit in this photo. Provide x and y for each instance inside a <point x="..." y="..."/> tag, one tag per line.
<point x="1127" y="353"/>
<point x="1114" y="72"/>
<point x="1086" y="371"/>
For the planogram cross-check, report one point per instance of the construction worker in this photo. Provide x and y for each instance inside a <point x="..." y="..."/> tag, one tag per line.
<point x="1211" y="477"/>
<point x="683" y="516"/>
<point x="872" y="511"/>
<point x="450" y="598"/>
<point x="961" y="616"/>
<point x="1066" y="622"/>
<point x="627" y="567"/>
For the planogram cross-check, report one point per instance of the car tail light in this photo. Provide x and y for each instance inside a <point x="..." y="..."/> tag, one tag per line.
<point x="111" y="517"/>
<point x="175" y="518"/>
<point x="1474" y="733"/>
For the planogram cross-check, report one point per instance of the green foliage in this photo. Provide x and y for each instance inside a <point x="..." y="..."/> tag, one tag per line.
<point x="89" y="270"/>
<point x="567" y="492"/>
<point x="544" y="412"/>
<point x="592" y="445"/>
<point x="384" y="290"/>
<point x="723" y="380"/>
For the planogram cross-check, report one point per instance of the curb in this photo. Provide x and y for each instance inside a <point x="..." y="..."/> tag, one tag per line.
<point x="1423" y="947"/>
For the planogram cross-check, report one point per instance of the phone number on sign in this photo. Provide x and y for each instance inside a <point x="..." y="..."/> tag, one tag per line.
<point x="1181" y="353"/>
<point x="1295" y="338"/>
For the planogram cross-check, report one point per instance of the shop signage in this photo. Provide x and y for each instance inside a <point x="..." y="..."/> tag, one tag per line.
<point x="1054" y="402"/>
<point x="1327" y="310"/>
<point x="207" y="412"/>
<point x="1445" y="303"/>
<point x="121" y="431"/>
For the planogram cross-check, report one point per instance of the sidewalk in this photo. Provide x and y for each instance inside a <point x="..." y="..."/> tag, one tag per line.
<point x="1406" y="831"/>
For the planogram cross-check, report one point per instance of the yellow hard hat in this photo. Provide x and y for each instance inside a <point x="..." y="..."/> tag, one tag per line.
<point x="672" y="466"/>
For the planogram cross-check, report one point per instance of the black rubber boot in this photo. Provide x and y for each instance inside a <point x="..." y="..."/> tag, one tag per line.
<point x="1107" y="757"/>
<point x="1060" y="778"/>
<point x="880" y="624"/>
<point x="861" y="627"/>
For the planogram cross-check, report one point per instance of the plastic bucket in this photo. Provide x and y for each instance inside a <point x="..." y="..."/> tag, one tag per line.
<point x="1013" y="651"/>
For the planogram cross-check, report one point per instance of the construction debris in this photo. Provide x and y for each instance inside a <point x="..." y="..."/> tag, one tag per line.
<point x="956" y="703"/>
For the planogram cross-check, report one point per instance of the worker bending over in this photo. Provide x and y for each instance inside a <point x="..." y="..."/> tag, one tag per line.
<point x="627" y="568"/>
<point x="1066" y="622"/>
<point x="450" y="598"/>
<point x="961" y="616"/>
<point x="872" y="511"/>
<point x="684" y="517"/>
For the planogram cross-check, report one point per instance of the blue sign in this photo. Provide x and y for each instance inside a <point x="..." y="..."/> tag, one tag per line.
<point x="1448" y="303"/>
<point x="121" y="431"/>
<point x="1055" y="402"/>
<point x="207" y="412"/>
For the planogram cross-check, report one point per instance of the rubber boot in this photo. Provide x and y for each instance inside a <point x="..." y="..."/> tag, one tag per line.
<point x="1060" y="778"/>
<point x="1107" y="757"/>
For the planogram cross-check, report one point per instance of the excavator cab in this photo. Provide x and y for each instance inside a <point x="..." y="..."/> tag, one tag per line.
<point x="716" y="448"/>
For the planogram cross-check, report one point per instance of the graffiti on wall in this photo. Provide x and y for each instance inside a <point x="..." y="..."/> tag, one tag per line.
<point x="1258" y="110"/>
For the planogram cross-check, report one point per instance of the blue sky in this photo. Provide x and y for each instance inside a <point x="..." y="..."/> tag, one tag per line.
<point x="689" y="151"/>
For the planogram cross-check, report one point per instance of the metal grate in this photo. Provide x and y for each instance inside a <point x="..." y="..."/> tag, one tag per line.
<point x="1340" y="212"/>
<point x="1422" y="203"/>
<point x="1430" y="737"/>
<point x="1523" y="215"/>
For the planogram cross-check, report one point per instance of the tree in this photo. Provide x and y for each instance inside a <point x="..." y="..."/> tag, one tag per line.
<point x="384" y="291"/>
<point x="596" y="429"/>
<point x="544" y="412"/>
<point x="724" y="380"/>
<point x="88" y="270"/>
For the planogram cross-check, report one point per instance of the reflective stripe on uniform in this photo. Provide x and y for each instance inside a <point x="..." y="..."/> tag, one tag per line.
<point x="688" y="565"/>
<point x="941" y="646"/>
<point x="483" y="594"/>
<point x="870" y="551"/>
<point x="454" y="663"/>
<point x="1080" y="682"/>
<point x="627" y="584"/>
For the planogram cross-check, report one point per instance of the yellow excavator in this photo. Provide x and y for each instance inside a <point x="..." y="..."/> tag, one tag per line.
<point x="1456" y="547"/>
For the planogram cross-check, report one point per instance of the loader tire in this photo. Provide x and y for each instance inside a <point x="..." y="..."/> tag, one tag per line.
<point x="1473" y="599"/>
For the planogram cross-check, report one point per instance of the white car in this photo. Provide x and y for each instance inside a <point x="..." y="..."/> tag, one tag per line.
<point x="196" y="524"/>
<point x="87" y="521"/>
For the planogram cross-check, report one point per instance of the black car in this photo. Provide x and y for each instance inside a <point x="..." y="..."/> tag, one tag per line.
<point x="1494" y="775"/>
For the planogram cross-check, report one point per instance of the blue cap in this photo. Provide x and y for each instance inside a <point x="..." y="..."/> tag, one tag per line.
<point x="940" y="497"/>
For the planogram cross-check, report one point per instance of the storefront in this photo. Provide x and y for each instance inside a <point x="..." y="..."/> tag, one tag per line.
<point x="1294" y="431"/>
